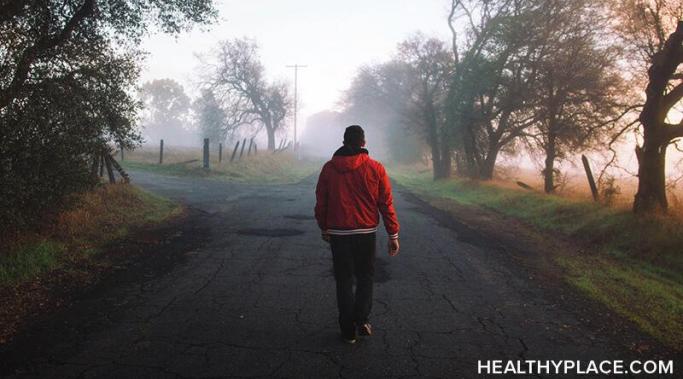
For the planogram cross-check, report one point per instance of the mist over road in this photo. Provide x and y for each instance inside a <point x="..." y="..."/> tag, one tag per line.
<point x="256" y="298"/>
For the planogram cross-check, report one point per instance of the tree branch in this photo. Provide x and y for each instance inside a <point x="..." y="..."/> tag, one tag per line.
<point x="673" y="97"/>
<point x="43" y="44"/>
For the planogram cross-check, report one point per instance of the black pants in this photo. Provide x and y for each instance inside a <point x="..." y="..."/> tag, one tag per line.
<point x="353" y="255"/>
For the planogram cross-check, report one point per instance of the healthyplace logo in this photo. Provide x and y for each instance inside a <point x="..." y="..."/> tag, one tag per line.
<point x="564" y="367"/>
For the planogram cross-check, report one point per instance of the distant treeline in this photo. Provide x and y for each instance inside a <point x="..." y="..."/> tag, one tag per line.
<point x="552" y="77"/>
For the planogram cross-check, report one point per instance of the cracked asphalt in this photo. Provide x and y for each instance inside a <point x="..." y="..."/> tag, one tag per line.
<point x="255" y="298"/>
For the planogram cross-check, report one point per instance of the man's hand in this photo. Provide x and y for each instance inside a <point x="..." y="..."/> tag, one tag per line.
<point x="326" y="237"/>
<point x="393" y="247"/>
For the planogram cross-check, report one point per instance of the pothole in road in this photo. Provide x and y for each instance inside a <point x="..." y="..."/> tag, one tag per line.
<point x="299" y="217"/>
<point x="270" y="232"/>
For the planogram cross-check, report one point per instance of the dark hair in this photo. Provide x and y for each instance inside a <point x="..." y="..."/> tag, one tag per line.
<point x="354" y="136"/>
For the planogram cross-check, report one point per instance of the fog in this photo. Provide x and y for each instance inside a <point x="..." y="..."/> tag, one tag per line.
<point x="334" y="42"/>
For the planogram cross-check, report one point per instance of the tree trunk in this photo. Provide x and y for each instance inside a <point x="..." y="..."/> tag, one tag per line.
<point x="470" y="148"/>
<point x="438" y="154"/>
<point x="446" y="161"/>
<point x="271" y="138"/>
<point x="460" y="166"/>
<point x="651" y="195"/>
<point x="486" y="170"/>
<point x="549" y="174"/>
<point x="657" y="134"/>
<point x="549" y="169"/>
<point x="437" y="162"/>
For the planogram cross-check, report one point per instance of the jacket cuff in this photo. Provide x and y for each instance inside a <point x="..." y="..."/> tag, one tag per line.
<point x="393" y="236"/>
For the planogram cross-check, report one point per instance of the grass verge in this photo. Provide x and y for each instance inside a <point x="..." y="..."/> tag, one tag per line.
<point x="633" y="265"/>
<point x="99" y="217"/>
<point x="38" y="270"/>
<point x="264" y="168"/>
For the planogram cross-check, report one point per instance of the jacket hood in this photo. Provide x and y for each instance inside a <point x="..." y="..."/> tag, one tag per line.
<point x="347" y="158"/>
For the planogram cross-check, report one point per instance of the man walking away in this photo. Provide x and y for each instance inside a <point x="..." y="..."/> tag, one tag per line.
<point x="352" y="190"/>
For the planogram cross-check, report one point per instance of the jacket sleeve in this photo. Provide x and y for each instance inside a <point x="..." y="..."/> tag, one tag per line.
<point x="386" y="204"/>
<point x="321" y="196"/>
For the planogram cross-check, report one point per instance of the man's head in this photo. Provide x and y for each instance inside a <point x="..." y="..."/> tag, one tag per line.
<point x="354" y="136"/>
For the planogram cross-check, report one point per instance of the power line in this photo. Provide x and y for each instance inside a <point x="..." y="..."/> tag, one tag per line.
<point x="296" y="68"/>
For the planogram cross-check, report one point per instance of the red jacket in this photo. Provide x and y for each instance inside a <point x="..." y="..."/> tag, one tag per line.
<point x="352" y="189"/>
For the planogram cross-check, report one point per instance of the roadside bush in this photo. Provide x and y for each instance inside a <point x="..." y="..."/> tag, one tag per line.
<point x="67" y="72"/>
<point x="49" y="136"/>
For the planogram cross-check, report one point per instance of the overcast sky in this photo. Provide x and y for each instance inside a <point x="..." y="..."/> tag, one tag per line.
<point x="333" y="38"/>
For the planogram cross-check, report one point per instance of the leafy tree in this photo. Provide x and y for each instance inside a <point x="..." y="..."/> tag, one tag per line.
<point x="67" y="69"/>
<point x="429" y="66"/>
<point x="36" y="34"/>
<point x="211" y="118"/>
<point x="378" y="97"/>
<point x="48" y="138"/>
<point x="489" y="104"/>
<point x="166" y="110"/>
<point x="578" y="85"/>
<point x="238" y="81"/>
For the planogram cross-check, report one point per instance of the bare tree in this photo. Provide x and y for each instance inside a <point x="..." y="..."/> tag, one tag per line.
<point x="237" y="80"/>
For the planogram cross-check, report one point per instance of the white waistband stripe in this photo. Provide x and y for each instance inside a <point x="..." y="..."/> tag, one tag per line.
<point x="343" y="232"/>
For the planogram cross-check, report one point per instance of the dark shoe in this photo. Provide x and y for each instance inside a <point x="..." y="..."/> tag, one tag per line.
<point x="349" y="338"/>
<point x="365" y="329"/>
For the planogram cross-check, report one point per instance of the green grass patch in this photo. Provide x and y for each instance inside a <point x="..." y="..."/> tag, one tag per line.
<point x="637" y="262"/>
<point x="652" y="301"/>
<point x="29" y="261"/>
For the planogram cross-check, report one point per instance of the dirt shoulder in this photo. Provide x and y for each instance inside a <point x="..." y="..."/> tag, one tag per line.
<point x="70" y="297"/>
<point x="104" y="231"/>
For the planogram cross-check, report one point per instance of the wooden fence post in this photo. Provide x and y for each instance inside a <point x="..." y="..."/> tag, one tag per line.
<point x="120" y="169"/>
<point x="234" y="151"/>
<point x="244" y="142"/>
<point x="161" y="152"/>
<point x="589" y="175"/>
<point x="220" y="152"/>
<point x="110" y="171"/>
<point x="95" y="164"/>
<point x="206" y="153"/>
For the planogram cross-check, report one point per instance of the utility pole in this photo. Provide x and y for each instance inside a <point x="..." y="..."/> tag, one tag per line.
<point x="296" y="68"/>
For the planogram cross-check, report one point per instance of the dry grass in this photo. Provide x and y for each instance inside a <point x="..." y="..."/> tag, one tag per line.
<point x="109" y="212"/>
<point x="99" y="217"/>
<point x="265" y="168"/>
<point x="172" y="154"/>
<point x="575" y="186"/>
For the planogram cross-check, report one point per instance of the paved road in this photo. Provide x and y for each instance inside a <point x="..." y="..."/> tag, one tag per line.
<point x="256" y="299"/>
